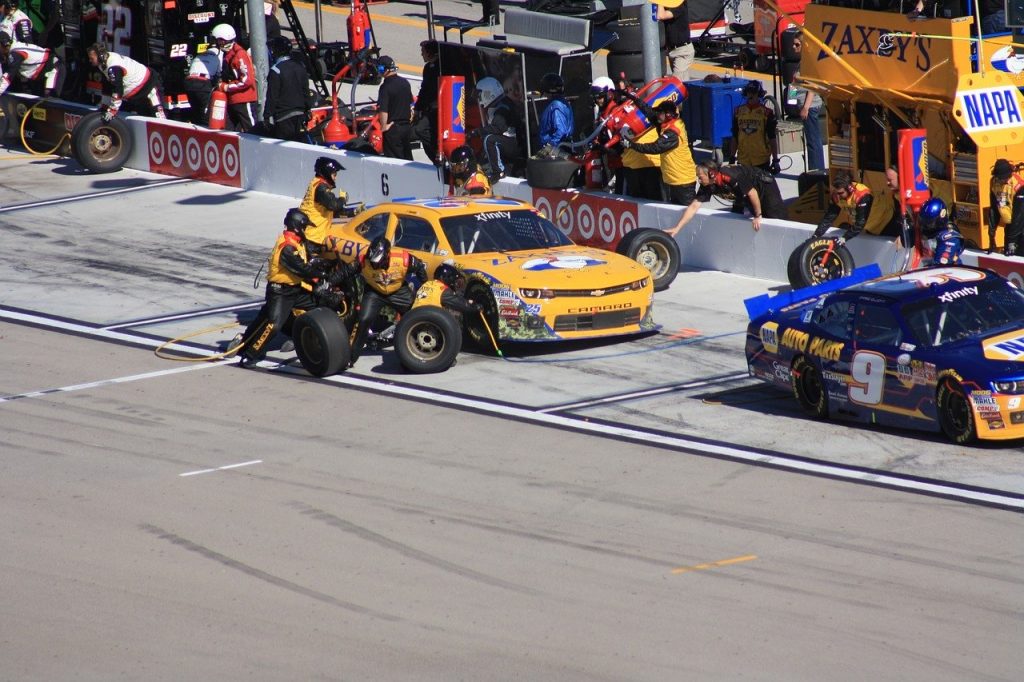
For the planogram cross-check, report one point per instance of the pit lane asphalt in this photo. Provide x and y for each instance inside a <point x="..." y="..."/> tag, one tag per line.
<point x="586" y="513"/>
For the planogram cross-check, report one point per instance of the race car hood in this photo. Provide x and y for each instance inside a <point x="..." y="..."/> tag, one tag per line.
<point x="1008" y="347"/>
<point x="562" y="267"/>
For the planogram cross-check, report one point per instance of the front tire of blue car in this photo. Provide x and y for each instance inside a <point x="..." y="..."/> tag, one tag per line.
<point x="809" y="389"/>
<point x="956" y="417"/>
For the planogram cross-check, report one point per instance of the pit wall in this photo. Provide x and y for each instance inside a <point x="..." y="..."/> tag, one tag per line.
<point x="714" y="240"/>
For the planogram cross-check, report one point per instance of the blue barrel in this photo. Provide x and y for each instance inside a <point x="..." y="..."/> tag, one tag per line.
<point x="708" y="110"/>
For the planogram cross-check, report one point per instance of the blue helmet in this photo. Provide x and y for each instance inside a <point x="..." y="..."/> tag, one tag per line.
<point x="933" y="217"/>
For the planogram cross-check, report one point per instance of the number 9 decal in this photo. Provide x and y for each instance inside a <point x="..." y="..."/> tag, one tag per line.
<point x="868" y="370"/>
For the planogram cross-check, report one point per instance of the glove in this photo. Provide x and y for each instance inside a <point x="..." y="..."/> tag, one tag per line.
<point x="840" y="241"/>
<point x="627" y="133"/>
<point x="107" y="115"/>
<point x="343" y="195"/>
<point x="775" y="167"/>
<point x="322" y="288"/>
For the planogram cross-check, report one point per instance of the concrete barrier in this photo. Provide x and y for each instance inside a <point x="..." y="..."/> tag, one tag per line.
<point x="715" y="239"/>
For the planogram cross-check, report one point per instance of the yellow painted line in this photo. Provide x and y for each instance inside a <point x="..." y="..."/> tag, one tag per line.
<point x="27" y="157"/>
<point x="714" y="564"/>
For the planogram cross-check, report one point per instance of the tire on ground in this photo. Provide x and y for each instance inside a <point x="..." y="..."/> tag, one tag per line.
<point x="809" y="388"/>
<point x="656" y="251"/>
<point x="817" y="264"/>
<point x="956" y="416"/>
<point x="321" y="342"/>
<point x="428" y="339"/>
<point x="101" y="146"/>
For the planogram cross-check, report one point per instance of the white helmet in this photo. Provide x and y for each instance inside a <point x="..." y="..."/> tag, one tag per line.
<point x="487" y="90"/>
<point x="223" y="32"/>
<point x="602" y="84"/>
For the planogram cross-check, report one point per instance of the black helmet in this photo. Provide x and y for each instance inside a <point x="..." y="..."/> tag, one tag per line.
<point x="279" y="46"/>
<point x="379" y="253"/>
<point x="451" y="276"/>
<point x="325" y="167"/>
<point x="461" y="160"/>
<point x="666" y="106"/>
<point x="754" y="87"/>
<point x="297" y="221"/>
<point x="552" y="84"/>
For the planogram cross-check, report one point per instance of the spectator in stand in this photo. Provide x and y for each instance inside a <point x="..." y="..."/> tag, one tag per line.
<point x="807" y="105"/>
<point x="424" y="112"/>
<point x="126" y="83"/>
<point x="288" y="98"/>
<point x="557" y="122"/>
<point x="677" y="37"/>
<point x="394" y="104"/>
<point x="203" y="74"/>
<point x="37" y="66"/>
<point x="16" y="23"/>
<point x="677" y="169"/>
<point x="855" y="197"/>
<point x="755" y="187"/>
<point x="754" y="139"/>
<point x="1007" y="207"/>
<point x="237" y="79"/>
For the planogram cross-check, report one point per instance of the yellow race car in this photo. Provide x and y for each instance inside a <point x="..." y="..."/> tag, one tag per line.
<point x="533" y="283"/>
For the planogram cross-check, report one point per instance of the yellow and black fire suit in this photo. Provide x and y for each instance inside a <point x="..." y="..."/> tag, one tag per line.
<point x="472" y="183"/>
<point x="678" y="171"/>
<point x="321" y="204"/>
<point x="1007" y="209"/>
<point x="394" y="286"/>
<point x="288" y="270"/>
<point x="857" y="204"/>
<point x="437" y="293"/>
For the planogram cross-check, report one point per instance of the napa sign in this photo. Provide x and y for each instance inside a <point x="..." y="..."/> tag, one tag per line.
<point x="991" y="115"/>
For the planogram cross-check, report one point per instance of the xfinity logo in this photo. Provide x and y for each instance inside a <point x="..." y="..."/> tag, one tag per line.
<point x="950" y="296"/>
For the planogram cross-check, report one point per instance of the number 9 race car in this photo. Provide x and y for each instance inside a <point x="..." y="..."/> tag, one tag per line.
<point x="533" y="283"/>
<point x="940" y="348"/>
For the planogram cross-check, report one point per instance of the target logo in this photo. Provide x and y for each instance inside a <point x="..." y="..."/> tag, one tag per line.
<point x="587" y="219"/>
<point x="1009" y="270"/>
<point x="199" y="154"/>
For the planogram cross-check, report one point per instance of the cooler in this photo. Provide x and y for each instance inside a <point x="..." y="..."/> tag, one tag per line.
<point x="707" y="110"/>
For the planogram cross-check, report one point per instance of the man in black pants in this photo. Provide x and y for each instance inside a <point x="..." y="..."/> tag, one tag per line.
<point x="755" y="188"/>
<point x="425" y="111"/>
<point x="288" y="98"/>
<point x="491" y="15"/>
<point x="394" y="101"/>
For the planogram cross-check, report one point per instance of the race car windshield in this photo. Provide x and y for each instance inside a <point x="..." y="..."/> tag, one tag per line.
<point x="493" y="231"/>
<point x="970" y="311"/>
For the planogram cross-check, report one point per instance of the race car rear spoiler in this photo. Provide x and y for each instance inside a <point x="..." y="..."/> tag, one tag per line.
<point x="759" y="305"/>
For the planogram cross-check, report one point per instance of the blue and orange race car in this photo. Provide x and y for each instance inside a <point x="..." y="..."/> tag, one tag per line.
<point x="936" y="349"/>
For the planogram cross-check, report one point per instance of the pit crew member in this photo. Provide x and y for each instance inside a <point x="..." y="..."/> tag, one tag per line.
<point x="936" y="224"/>
<point x="1007" y="208"/>
<point x="320" y="202"/>
<point x="237" y="79"/>
<point x="855" y="198"/>
<point x="466" y="176"/>
<point x="752" y="188"/>
<point x="678" y="171"/>
<point x="37" y="66"/>
<point x="126" y="83"/>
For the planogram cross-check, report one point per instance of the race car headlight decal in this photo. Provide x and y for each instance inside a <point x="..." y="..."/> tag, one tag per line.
<point x="536" y="293"/>
<point x="1008" y="387"/>
<point x="640" y="284"/>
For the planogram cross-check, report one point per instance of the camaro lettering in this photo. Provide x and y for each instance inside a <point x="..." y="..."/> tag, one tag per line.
<point x="600" y="308"/>
<point x="959" y="293"/>
<point x="856" y="40"/>
<point x="828" y="350"/>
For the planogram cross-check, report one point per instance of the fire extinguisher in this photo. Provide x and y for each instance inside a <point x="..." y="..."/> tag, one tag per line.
<point x="218" y="110"/>
<point x="360" y="31"/>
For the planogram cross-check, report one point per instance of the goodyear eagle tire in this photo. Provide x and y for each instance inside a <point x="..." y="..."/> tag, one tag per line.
<point x="472" y="322"/>
<point x="821" y="260"/>
<point x="809" y="389"/>
<point x="793" y="267"/>
<point x="321" y="342"/>
<point x="428" y="339"/>
<point x="956" y="417"/>
<point x="101" y="146"/>
<point x="656" y="251"/>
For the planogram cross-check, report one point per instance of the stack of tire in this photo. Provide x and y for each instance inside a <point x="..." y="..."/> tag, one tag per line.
<point x="626" y="53"/>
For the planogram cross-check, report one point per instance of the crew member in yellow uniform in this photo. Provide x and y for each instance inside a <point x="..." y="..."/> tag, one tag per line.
<point x="678" y="171"/>
<point x="754" y="131"/>
<point x="466" y="176"/>
<point x="642" y="172"/>
<point x="1007" y="208"/>
<point x="288" y="269"/>
<point x="447" y="290"/>
<point x="854" y="197"/>
<point x="320" y="203"/>
<point x="392" y="277"/>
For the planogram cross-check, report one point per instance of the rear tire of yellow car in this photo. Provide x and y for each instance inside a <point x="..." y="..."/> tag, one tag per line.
<point x="956" y="417"/>
<point x="101" y="146"/>
<point x="809" y="389"/>
<point x="656" y="251"/>
<point x="321" y="342"/>
<point x="428" y="340"/>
